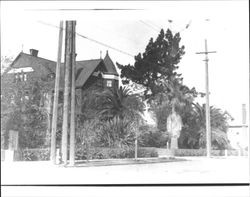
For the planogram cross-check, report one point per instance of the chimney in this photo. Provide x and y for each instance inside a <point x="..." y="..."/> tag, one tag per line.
<point x="33" y="52"/>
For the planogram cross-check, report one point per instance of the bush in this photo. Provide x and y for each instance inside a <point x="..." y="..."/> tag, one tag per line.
<point x="153" y="139"/>
<point x="32" y="155"/>
<point x="113" y="153"/>
<point x="199" y="152"/>
<point x="190" y="152"/>
<point x="146" y="152"/>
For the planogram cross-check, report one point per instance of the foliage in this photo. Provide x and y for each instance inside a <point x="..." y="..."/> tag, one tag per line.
<point x="89" y="103"/>
<point x="116" y="133"/>
<point x="23" y="108"/>
<point x="5" y="62"/>
<point x="193" y="134"/>
<point x="197" y="152"/>
<point x="156" y="71"/>
<point x="114" y="153"/>
<point x="151" y="137"/>
<point x="33" y="154"/>
<point x="158" y="62"/>
<point x="86" y="135"/>
<point x="174" y="97"/>
<point x="107" y="133"/>
<point x="119" y="103"/>
<point x="116" y="112"/>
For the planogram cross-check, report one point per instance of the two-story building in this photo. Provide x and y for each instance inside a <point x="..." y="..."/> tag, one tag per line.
<point x="101" y="73"/>
<point x="29" y="68"/>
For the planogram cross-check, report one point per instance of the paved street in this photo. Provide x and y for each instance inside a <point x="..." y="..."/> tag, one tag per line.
<point x="194" y="170"/>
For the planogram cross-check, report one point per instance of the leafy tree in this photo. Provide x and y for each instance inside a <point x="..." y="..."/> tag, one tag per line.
<point x="156" y="71"/>
<point x="23" y="109"/>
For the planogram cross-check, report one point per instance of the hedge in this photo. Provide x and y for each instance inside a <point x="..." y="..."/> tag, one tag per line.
<point x="108" y="153"/>
<point x="203" y="152"/>
<point x="83" y="154"/>
<point x="32" y="155"/>
<point x="119" y="153"/>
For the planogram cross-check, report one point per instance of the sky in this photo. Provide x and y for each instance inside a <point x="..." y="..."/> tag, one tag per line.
<point x="225" y="25"/>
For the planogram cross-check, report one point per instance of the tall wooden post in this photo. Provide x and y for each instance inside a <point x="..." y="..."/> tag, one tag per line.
<point x="68" y="51"/>
<point x="72" y="115"/>
<point x="208" y="126"/>
<point x="56" y="95"/>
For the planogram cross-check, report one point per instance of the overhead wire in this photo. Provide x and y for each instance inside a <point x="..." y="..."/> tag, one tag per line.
<point x="153" y="24"/>
<point x="148" y="25"/>
<point x="101" y="43"/>
<point x="91" y="39"/>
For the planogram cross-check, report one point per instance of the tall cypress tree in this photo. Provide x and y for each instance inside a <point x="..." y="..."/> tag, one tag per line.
<point x="157" y="64"/>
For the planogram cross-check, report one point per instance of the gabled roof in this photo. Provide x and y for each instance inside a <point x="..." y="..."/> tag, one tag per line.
<point x="84" y="69"/>
<point x="43" y="67"/>
<point x="110" y="65"/>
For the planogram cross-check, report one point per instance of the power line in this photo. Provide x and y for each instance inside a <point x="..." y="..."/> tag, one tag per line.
<point x="150" y="26"/>
<point x="101" y="43"/>
<point x="93" y="40"/>
<point x="158" y="27"/>
<point x="106" y="45"/>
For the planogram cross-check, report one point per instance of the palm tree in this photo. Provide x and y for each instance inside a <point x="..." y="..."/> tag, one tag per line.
<point x="119" y="109"/>
<point x="120" y="103"/>
<point x="219" y="126"/>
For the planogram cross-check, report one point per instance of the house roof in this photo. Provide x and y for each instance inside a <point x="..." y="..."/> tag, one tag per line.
<point x="110" y="65"/>
<point x="84" y="69"/>
<point x="44" y="67"/>
<point x="41" y="65"/>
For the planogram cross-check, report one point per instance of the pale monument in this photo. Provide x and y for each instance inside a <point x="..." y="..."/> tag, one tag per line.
<point x="174" y="125"/>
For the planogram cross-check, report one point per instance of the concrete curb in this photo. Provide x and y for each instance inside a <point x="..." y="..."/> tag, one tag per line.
<point x="111" y="162"/>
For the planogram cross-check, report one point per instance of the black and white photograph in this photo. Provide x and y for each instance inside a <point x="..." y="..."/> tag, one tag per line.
<point x="125" y="98"/>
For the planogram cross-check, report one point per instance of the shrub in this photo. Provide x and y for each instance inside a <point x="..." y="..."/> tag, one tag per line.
<point x="32" y="155"/>
<point x="198" y="152"/>
<point x="152" y="137"/>
<point x="113" y="153"/>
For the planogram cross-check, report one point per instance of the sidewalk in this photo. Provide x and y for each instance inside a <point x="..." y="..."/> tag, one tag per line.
<point x="142" y="171"/>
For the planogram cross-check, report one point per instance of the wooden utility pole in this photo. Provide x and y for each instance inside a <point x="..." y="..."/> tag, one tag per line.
<point x="208" y="124"/>
<point x="68" y="63"/>
<point x="72" y="117"/>
<point x="56" y="94"/>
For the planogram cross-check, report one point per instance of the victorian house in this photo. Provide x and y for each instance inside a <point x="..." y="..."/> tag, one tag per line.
<point x="92" y="73"/>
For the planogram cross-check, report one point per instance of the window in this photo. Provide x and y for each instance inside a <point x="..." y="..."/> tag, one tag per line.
<point x="24" y="77"/>
<point x="109" y="83"/>
<point x="20" y="77"/>
<point x="16" y="77"/>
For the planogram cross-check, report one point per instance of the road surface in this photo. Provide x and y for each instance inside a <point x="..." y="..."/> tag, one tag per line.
<point x="193" y="170"/>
